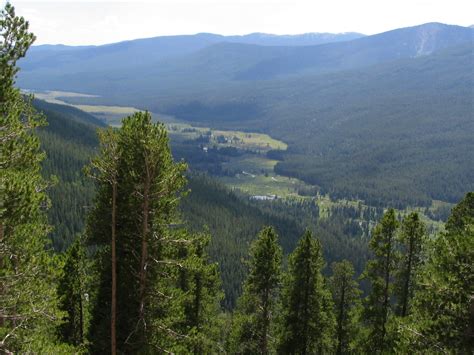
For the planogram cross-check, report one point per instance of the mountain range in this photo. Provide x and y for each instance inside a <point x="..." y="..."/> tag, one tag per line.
<point x="179" y="59"/>
<point x="385" y="118"/>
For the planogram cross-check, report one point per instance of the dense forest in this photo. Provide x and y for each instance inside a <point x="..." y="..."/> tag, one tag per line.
<point x="395" y="109"/>
<point x="149" y="257"/>
<point x="69" y="141"/>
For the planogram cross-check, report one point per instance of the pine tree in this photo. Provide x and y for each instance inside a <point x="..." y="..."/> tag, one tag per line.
<point x="72" y="289"/>
<point x="29" y="311"/>
<point x="442" y="319"/>
<point x="379" y="272"/>
<point x="411" y="239"/>
<point x="307" y="324"/>
<point x="200" y="281"/>
<point x="346" y="296"/>
<point x="147" y="193"/>
<point x="104" y="168"/>
<point x="255" y="312"/>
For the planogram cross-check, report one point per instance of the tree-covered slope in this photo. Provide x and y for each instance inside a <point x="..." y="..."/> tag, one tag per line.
<point x="400" y="132"/>
<point x="388" y="46"/>
<point x="397" y="132"/>
<point x="69" y="140"/>
<point x="233" y="221"/>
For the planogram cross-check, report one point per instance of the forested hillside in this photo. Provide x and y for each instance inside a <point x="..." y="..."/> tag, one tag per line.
<point x="395" y="125"/>
<point x="70" y="140"/>
<point x="395" y="109"/>
<point x="111" y="243"/>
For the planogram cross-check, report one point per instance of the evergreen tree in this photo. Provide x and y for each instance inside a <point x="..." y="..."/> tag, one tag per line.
<point x="346" y="296"/>
<point x="307" y="324"/>
<point x="29" y="311"/>
<point x="442" y="319"/>
<point x="104" y="168"/>
<point x="200" y="281"/>
<point x="148" y="301"/>
<point x="411" y="239"/>
<point x="73" y="294"/>
<point x="255" y="312"/>
<point x="379" y="271"/>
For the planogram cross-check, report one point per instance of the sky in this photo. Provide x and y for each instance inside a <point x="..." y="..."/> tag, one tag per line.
<point x="90" y="22"/>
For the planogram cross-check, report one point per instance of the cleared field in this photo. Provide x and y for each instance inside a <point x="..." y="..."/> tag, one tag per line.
<point x="118" y="110"/>
<point x="253" y="164"/>
<point x="55" y="96"/>
<point x="110" y="114"/>
<point x="257" y="142"/>
<point x="262" y="185"/>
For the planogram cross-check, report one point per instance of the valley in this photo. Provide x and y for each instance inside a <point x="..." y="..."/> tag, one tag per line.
<point x="393" y="109"/>
<point x="246" y="163"/>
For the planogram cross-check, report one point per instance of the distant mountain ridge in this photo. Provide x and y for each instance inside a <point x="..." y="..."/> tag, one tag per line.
<point x="392" y="45"/>
<point x="205" y="58"/>
<point x="138" y="51"/>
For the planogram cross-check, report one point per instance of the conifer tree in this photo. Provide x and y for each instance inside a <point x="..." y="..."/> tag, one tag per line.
<point x="255" y="312"/>
<point x="200" y="281"/>
<point x="104" y="168"/>
<point x="411" y="239"/>
<point x="147" y="193"/>
<point x="29" y="311"/>
<point x="346" y="296"/>
<point x="307" y="324"/>
<point x="442" y="319"/>
<point x="379" y="272"/>
<point x="73" y="289"/>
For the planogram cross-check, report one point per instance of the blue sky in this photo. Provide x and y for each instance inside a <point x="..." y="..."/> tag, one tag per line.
<point x="99" y="22"/>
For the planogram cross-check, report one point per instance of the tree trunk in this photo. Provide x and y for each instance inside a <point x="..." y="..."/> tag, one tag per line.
<point x="266" y="321"/>
<point x="385" y="293"/>
<point x="144" y="249"/>
<point x="113" y="318"/>
<point x="407" y="280"/>
<point x="2" y="286"/>
<point x="305" y="309"/>
<point x="341" y="316"/>
<point x="81" y="318"/>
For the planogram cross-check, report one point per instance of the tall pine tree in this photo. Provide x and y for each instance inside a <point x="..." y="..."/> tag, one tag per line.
<point x="346" y="296"/>
<point x="379" y="272"/>
<point x="150" y="259"/>
<point x="73" y="291"/>
<point x="200" y="281"/>
<point x="411" y="240"/>
<point x="29" y="311"/>
<point x="442" y="319"/>
<point x="104" y="168"/>
<point x="307" y="324"/>
<point x="255" y="313"/>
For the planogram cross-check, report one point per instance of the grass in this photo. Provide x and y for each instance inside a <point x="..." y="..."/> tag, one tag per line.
<point x="255" y="164"/>
<point x="271" y="184"/>
<point x="257" y="142"/>
<point x="110" y="114"/>
<point x="116" y="110"/>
